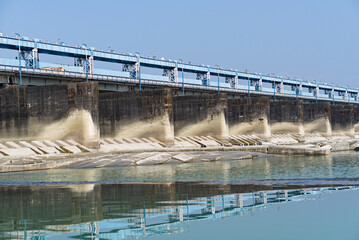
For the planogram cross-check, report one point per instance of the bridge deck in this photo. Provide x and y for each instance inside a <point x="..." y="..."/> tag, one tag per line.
<point x="226" y="80"/>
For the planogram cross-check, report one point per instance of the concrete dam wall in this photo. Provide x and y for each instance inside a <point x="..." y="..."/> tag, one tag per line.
<point x="317" y="117"/>
<point x="286" y="116"/>
<point x="137" y="114"/>
<point x="50" y="112"/>
<point x="248" y="116"/>
<point x="342" y="118"/>
<point x="201" y="115"/>
<point x="79" y="111"/>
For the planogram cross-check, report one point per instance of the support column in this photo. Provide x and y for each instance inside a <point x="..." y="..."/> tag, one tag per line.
<point x="137" y="114"/>
<point x="201" y="115"/>
<point x="72" y="112"/>
<point x="286" y="116"/>
<point x="316" y="118"/>
<point x="342" y="118"/>
<point x="248" y="116"/>
<point x="91" y="63"/>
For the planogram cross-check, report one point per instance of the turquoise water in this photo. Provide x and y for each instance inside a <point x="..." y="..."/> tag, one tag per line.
<point x="264" y="198"/>
<point x="335" y="166"/>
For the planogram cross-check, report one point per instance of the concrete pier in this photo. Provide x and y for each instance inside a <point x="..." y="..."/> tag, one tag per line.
<point x="316" y="118"/>
<point x="286" y="116"/>
<point x="342" y="118"/>
<point x="248" y="116"/>
<point x="137" y="114"/>
<point x="201" y="115"/>
<point x="52" y="112"/>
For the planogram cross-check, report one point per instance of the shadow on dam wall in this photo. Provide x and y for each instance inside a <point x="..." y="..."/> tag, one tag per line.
<point x="80" y="112"/>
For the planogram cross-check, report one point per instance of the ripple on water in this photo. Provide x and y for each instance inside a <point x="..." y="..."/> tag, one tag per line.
<point x="293" y="167"/>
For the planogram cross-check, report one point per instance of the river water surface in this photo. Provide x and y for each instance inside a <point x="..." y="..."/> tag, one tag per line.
<point x="264" y="198"/>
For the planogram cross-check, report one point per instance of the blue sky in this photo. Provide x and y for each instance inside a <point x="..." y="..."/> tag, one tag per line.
<point x="308" y="39"/>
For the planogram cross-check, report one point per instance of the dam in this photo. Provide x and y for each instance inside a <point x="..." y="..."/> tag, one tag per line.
<point x="50" y="109"/>
<point x="45" y="117"/>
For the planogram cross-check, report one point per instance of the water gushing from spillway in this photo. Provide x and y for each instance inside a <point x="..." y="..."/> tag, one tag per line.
<point x="321" y="125"/>
<point x="159" y="127"/>
<point x="356" y="128"/>
<point x="286" y="127"/>
<point x="254" y="127"/>
<point x="78" y="124"/>
<point x="213" y="125"/>
<point x="329" y="127"/>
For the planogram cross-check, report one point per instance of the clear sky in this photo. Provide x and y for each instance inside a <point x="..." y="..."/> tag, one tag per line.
<point x="308" y="39"/>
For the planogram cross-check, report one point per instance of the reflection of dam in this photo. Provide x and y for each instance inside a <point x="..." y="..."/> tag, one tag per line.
<point x="131" y="216"/>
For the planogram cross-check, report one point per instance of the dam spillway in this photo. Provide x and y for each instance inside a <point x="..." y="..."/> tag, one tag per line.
<point x="158" y="104"/>
<point x="80" y="112"/>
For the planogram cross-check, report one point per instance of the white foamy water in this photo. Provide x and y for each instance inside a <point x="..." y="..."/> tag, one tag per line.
<point x="214" y="125"/>
<point x="157" y="127"/>
<point x="286" y="127"/>
<point x="254" y="127"/>
<point x="78" y="124"/>
<point x="321" y="125"/>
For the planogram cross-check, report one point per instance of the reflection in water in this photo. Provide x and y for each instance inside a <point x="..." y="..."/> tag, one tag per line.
<point x="116" y="211"/>
<point x="295" y="167"/>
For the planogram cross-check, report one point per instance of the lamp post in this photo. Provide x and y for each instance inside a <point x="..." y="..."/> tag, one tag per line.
<point x="139" y="68"/>
<point x="18" y="35"/>
<point x="182" y="78"/>
<point x="218" y="77"/>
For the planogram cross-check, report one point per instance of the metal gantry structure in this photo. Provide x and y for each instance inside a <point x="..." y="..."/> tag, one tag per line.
<point x="85" y="57"/>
